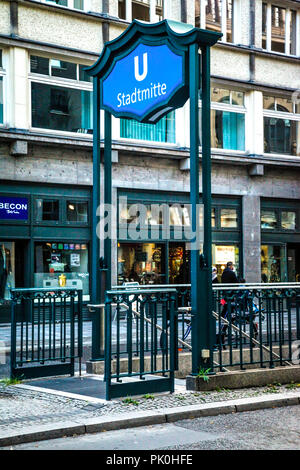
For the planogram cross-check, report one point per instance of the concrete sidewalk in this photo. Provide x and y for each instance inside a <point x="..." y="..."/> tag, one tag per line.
<point x="29" y="413"/>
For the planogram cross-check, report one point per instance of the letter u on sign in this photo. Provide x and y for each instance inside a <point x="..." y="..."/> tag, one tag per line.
<point x="140" y="77"/>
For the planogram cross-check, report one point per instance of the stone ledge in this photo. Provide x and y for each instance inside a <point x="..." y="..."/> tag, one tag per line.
<point x="245" y="379"/>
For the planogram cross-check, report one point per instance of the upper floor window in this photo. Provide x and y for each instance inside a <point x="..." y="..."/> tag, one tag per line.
<point x="279" y="29"/>
<point x="227" y="119"/>
<point x="278" y="219"/>
<point x="75" y="4"/>
<point x="163" y="131"/>
<point x="281" y="125"/>
<point x="215" y="15"/>
<point x="145" y="10"/>
<point x="2" y="74"/>
<point x="61" y="95"/>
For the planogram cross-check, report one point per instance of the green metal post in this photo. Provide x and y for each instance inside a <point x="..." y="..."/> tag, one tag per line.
<point x="203" y="327"/>
<point x="208" y="336"/>
<point x="95" y="272"/>
<point x="195" y="200"/>
<point x="107" y="195"/>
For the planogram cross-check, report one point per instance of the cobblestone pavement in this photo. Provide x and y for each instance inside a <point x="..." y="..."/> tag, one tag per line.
<point x="22" y="408"/>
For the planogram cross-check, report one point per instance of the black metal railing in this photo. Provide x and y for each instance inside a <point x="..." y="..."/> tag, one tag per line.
<point x="47" y="337"/>
<point x="256" y="324"/>
<point x="140" y="340"/>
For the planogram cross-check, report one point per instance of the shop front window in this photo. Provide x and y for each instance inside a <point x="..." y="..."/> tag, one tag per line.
<point x="7" y="270"/>
<point x="141" y="262"/>
<point x="222" y="254"/>
<point x="273" y="263"/>
<point x="62" y="264"/>
<point x="179" y="264"/>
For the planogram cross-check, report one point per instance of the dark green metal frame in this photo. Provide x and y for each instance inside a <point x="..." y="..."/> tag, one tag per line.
<point x="32" y="354"/>
<point x="162" y="361"/>
<point x="185" y="40"/>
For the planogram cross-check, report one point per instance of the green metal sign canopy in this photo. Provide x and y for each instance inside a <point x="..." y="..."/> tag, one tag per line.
<point x="143" y="74"/>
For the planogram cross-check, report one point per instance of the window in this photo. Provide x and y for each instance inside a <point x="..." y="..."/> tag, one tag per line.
<point x="279" y="29"/>
<point x="278" y="219"/>
<point x="144" y="10"/>
<point x="62" y="264"/>
<point x="65" y="104"/>
<point x="47" y="210"/>
<point x="228" y="119"/>
<point x="163" y="131"/>
<point x="221" y="254"/>
<point x="2" y="75"/>
<point x="281" y="125"/>
<point x="229" y="218"/>
<point x="268" y="219"/>
<point x="1" y="100"/>
<point x="288" y="220"/>
<point x="76" y="4"/>
<point x="215" y="15"/>
<point x="77" y="211"/>
<point x="273" y="263"/>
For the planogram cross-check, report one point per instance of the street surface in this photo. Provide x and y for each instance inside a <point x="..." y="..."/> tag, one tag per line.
<point x="270" y="429"/>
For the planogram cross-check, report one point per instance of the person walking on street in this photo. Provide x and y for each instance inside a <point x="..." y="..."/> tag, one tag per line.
<point x="228" y="277"/>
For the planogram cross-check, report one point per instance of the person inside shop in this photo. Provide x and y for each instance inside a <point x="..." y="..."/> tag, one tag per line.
<point x="214" y="275"/>
<point x="5" y="269"/>
<point x="133" y="275"/>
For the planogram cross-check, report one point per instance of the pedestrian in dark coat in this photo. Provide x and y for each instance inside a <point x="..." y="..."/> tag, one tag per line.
<point x="228" y="275"/>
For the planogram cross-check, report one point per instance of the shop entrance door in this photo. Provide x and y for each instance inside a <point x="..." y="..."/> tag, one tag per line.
<point x="293" y="262"/>
<point x="12" y="273"/>
<point x="179" y="263"/>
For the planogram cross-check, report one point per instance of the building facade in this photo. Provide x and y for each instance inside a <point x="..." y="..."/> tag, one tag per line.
<point x="46" y="144"/>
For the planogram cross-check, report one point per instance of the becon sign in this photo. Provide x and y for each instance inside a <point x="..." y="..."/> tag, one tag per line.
<point x="144" y="82"/>
<point x="13" y="208"/>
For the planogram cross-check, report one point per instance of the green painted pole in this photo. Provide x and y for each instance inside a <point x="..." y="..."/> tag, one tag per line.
<point x="95" y="255"/>
<point x="194" y="77"/>
<point x="208" y="336"/>
<point x="107" y="195"/>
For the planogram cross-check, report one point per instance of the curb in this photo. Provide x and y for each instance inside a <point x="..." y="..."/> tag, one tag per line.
<point x="146" y="418"/>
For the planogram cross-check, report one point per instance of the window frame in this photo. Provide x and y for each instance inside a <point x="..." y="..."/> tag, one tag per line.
<point x="288" y="38"/>
<point x="3" y="75"/>
<point x="235" y="25"/>
<point x="153" y="6"/>
<point x="278" y="213"/>
<point x="273" y="113"/>
<point x="65" y="211"/>
<point x="62" y="82"/>
<point x="228" y="107"/>
<point x="70" y="5"/>
<point x="151" y="142"/>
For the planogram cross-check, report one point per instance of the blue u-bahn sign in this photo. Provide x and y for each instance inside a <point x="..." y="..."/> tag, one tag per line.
<point x="145" y="81"/>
